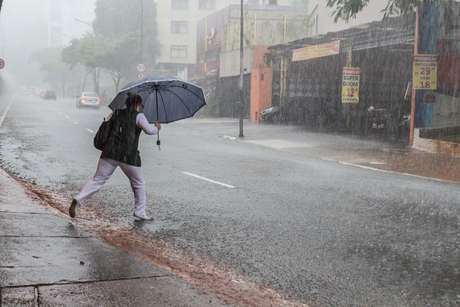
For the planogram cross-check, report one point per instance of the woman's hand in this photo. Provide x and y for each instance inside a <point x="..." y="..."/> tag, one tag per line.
<point x="158" y="125"/>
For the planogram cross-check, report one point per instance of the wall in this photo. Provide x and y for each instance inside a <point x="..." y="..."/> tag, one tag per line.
<point x="219" y="35"/>
<point x="261" y="84"/>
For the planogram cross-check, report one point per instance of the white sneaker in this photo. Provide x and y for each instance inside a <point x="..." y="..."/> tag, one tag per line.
<point x="142" y="216"/>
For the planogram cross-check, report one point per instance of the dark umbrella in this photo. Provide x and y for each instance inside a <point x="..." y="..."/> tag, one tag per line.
<point x="165" y="101"/>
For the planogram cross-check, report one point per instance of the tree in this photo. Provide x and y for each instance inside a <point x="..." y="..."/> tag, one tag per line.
<point x="347" y="9"/>
<point x="118" y="59"/>
<point x="87" y="51"/>
<point x="121" y="18"/>
<point x="121" y="40"/>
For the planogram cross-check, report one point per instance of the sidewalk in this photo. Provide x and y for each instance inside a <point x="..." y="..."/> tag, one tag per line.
<point x="46" y="261"/>
<point x="355" y="151"/>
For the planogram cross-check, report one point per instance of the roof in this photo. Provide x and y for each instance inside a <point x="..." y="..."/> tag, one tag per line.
<point x="393" y="31"/>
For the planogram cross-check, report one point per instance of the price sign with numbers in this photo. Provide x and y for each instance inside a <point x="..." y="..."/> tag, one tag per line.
<point x="425" y="72"/>
<point x="350" y="85"/>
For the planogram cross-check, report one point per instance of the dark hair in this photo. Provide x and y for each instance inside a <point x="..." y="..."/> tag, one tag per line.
<point x="133" y="100"/>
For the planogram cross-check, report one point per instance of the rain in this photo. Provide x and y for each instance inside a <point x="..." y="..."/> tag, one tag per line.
<point x="229" y="153"/>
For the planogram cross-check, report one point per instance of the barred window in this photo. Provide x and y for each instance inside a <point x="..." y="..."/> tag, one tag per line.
<point x="179" y="52"/>
<point x="179" y="27"/>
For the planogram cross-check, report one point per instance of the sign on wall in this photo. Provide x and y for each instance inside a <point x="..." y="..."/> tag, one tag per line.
<point x="425" y="73"/>
<point x="350" y="85"/>
<point x="316" y="51"/>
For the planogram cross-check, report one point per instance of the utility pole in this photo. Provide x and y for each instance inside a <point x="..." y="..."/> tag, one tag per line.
<point x="414" y="91"/>
<point x="241" y="105"/>
<point x="142" y="33"/>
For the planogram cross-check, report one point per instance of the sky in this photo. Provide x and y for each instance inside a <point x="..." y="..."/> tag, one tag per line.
<point x="30" y="25"/>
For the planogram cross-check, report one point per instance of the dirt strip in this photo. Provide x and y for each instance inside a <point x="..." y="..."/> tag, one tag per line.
<point x="198" y="271"/>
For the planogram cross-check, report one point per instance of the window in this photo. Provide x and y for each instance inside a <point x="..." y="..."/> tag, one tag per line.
<point x="179" y="52"/>
<point x="207" y="4"/>
<point x="179" y="4"/>
<point x="179" y="27"/>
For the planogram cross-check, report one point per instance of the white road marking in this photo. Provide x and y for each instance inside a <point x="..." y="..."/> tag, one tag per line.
<point x="89" y="130"/>
<point x="209" y="180"/>
<point x="231" y="138"/>
<point x="2" y="119"/>
<point x="67" y="116"/>
<point x="75" y="123"/>
<point x="392" y="172"/>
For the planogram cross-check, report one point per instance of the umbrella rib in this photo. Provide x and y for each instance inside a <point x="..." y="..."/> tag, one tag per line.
<point x="164" y="107"/>
<point x="180" y="99"/>
<point x="201" y="98"/>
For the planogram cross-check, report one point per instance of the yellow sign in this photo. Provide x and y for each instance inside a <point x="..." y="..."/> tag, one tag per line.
<point x="425" y="72"/>
<point x="350" y="85"/>
<point x="316" y="51"/>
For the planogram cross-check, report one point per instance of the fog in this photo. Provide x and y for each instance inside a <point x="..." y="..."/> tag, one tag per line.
<point x="27" y="26"/>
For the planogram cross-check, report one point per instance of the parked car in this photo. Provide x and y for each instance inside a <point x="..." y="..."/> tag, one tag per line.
<point x="89" y="99"/>
<point x="270" y="114"/>
<point x="49" y="95"/>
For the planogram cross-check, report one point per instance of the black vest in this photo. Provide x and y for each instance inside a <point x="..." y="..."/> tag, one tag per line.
<point x="123" y="142"/>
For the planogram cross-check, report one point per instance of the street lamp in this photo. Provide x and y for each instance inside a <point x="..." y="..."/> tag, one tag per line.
<point x="83" y="22"/>
<point x="241" y="70"/>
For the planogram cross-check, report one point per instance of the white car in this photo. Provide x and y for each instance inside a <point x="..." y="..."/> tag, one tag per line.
<point x="89" y="99"/>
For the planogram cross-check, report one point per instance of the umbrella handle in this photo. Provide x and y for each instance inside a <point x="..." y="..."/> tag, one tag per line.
<point x="158" y="140"/>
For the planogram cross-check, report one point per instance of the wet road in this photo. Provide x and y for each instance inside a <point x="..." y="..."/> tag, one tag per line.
<point x="318" y="232"/>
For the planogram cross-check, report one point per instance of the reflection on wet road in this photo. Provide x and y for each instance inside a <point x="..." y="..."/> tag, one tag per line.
<point x="319" y="232"/>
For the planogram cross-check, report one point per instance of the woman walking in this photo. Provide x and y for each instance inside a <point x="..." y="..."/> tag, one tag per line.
<point x="121" y="150"/>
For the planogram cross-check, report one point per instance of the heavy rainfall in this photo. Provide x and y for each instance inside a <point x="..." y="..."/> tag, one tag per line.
<point x="229" y="153"/>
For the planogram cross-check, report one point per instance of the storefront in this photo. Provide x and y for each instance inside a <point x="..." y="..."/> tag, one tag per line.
<point x="308" y="78"/>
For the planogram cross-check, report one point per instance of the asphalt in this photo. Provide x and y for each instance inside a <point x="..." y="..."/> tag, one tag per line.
<point x="312" y="229"/>
<point x="48" y="261"/>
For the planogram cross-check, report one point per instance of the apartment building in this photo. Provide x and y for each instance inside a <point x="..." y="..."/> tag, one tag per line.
<point x="177" y="29"/>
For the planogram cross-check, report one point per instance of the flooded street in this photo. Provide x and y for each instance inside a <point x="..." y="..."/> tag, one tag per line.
<point x="279" y="216"/>
<point x="230" y="153"/>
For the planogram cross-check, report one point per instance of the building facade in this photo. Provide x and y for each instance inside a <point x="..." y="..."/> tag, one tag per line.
<point x="218" y="49"/>
<point x="177" y="27"/>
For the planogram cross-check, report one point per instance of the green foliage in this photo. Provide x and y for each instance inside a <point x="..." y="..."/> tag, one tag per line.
<point x="347" y="9"/>
<point x="86" y="51"/>
<point x="117" y="45"/>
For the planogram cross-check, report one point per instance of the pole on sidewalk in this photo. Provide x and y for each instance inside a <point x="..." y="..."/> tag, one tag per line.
<point x="142" y="33"/>
<point x="241" y="104"/>
<point x="414" y="92"/>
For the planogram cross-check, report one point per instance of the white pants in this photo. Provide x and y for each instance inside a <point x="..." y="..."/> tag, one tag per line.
<point x="105" y="169"/>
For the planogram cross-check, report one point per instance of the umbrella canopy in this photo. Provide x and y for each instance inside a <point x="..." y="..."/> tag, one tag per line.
<point x="165" y="101"/>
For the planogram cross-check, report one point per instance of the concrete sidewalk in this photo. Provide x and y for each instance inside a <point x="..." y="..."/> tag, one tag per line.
<point x="47" y="261"/>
